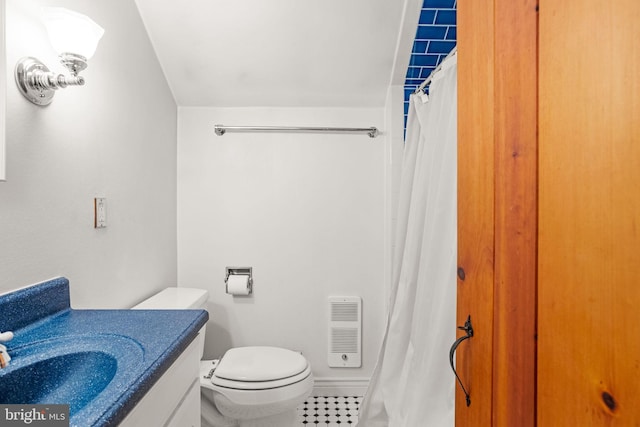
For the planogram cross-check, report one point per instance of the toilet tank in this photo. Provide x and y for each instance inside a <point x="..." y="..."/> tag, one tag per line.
<point x="179" y="299"/>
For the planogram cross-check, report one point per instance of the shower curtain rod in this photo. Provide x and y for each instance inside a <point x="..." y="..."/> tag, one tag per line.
<point x="438" y="68"/>
<point x="221" y="129"/>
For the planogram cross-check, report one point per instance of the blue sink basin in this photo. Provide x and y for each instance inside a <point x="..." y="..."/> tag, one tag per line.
<point x="73" y="370"/>
<point x="99" y="362"/>
<point x="59" y="380"/>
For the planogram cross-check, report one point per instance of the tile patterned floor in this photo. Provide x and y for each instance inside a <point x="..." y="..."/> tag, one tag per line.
<point x="329" y="411"/>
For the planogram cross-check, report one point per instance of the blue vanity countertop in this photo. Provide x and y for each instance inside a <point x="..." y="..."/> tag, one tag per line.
<point x="143" y="342"/>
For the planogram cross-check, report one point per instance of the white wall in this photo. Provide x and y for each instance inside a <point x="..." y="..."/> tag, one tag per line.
<point x="116" y="138"/>
<point x="306" y="211"/>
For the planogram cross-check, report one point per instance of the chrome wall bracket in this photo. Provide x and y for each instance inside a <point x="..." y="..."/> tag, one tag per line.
<point x="38" y="84"/>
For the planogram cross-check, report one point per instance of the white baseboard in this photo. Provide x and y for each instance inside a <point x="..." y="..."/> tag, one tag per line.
<point x="340" y="386"/>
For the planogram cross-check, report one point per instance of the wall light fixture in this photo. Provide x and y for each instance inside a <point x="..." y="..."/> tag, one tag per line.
<point x="75" y="38"/>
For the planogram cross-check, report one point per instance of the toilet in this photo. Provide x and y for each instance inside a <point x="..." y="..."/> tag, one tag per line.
<point x="248" y="386"/>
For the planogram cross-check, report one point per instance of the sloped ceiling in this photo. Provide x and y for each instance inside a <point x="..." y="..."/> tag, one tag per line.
<point x="308" y="53"/>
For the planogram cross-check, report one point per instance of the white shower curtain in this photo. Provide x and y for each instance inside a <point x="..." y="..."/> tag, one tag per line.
<point x="413" y="384"/>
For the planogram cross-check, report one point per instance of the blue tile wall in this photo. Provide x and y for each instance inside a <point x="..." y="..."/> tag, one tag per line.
<point x="435" y="37"/>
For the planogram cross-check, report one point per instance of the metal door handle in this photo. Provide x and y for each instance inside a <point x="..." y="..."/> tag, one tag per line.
<point x="469" y="330"/>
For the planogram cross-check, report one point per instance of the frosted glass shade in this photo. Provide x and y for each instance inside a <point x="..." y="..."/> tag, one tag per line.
<point x="71" y="32"/>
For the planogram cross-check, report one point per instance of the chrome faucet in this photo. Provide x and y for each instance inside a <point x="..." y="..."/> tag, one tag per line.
<point x="4" y="354"/>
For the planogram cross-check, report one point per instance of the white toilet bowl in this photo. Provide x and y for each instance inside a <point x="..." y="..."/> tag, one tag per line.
<point x="255" y="386"/>
<point x="248" y="386"/>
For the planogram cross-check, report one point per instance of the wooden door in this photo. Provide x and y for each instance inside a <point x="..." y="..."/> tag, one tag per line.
<point x="497" y="182"/>
<point x="475" y="209"/>
<point x="589" y="219"/>
<point x="549" y="212"/>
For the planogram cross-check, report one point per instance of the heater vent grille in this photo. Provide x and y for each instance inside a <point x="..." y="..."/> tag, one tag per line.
<point x="344" y="312"/>
<point x="344" y="340"/>
<point x="345" y="332"/>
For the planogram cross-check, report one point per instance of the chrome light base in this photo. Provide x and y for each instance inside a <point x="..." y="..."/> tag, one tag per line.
<point x="38" y="84"/>
<point x="24" y="72"/>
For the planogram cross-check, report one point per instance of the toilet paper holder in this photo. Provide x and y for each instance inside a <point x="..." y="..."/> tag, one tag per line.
<point x="245" y="271"/>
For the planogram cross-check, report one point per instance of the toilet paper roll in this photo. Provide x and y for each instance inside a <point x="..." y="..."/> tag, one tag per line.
<point x="238" y="284"/>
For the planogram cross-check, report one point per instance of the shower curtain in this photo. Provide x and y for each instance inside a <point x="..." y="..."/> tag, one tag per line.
<point x="413" y="384"/>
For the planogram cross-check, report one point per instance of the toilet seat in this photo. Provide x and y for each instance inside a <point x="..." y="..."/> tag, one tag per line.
<point x="260" y="385"/>
<point x="260" y="363"/>
<point x="292" y="391"/>
<point x="258" y="368"/>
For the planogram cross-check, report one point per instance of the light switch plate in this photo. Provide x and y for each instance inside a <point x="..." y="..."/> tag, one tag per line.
<point x="99" y="212"/>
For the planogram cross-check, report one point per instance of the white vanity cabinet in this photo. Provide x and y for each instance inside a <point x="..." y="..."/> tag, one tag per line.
<point x="174" y="400"/>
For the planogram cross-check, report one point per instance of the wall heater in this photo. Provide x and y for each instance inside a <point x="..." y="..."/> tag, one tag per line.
<point x="345" y="332"/>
